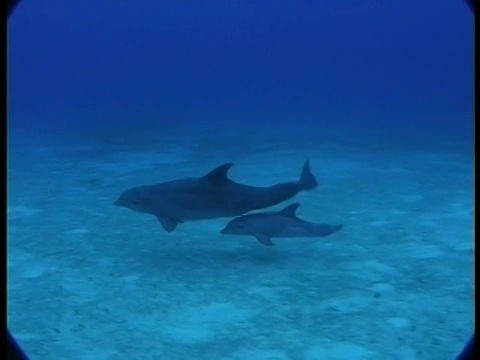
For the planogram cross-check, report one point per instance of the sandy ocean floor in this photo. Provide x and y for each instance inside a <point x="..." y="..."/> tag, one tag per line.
<point x="88" y="280"/>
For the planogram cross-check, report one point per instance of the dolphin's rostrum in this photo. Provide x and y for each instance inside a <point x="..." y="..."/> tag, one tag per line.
<point x="207" y="197"/>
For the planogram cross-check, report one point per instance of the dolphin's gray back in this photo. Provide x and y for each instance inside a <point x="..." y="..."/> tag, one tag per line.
<point x="280" y="226"/>
<point x="198" y="198"/>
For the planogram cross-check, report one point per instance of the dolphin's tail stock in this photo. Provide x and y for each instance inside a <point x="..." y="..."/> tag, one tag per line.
<point x="307" y="180"/>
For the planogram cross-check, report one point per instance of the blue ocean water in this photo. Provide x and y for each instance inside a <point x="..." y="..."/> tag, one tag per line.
<point x="104" y="96"/>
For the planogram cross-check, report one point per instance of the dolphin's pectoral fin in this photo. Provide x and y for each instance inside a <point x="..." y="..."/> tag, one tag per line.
<point x="265" y="240"/>
<point x="168" y="224"/>
<point x="220" y="174"/>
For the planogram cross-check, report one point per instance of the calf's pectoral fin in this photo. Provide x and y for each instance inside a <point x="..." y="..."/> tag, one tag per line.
<point x="265" y="240"/>
<point x="168" y="224"/>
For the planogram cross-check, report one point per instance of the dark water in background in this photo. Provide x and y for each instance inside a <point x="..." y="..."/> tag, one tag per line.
<point x="94" y="71"/>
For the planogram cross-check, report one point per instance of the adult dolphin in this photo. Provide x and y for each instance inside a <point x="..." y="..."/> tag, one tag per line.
<point x="208" y="197"/>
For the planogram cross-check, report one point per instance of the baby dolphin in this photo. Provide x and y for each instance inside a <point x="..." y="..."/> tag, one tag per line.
<point x="208" y="197"/>
<point x="281" y="224"/>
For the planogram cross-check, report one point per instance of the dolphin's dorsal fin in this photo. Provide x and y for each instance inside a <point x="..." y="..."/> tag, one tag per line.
<point x="290" y="210"/>
<point x="219" y="174"/>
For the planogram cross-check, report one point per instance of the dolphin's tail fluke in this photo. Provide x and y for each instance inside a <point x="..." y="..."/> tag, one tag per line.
<point x="307" y="180"/>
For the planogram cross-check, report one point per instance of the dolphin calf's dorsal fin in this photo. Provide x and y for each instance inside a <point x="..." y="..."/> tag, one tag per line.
<point x="219" y="174"/>
<point x="290" y="210"/>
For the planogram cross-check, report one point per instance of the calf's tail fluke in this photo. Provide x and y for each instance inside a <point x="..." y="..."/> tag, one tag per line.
<point x="307" y="180"/>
